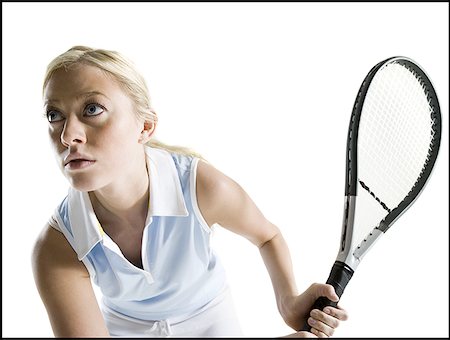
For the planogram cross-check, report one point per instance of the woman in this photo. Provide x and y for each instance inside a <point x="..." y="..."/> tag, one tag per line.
<point x="138" y="217"/>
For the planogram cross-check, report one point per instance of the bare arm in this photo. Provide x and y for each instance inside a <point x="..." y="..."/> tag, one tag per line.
<point x="221" y="200"/>
<point x="65" y="288"/>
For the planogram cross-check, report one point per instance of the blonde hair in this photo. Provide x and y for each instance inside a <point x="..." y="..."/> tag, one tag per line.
<point x="125" y="72"/>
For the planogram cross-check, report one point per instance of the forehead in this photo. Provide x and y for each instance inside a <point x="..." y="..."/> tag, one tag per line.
<point x="79" y="79"/>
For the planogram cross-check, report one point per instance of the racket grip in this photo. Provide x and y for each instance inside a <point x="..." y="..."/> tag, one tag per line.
<point x="339" y="277"/>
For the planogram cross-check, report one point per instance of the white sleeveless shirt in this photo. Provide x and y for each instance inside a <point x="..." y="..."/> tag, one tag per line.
<point x="181" y="273"/>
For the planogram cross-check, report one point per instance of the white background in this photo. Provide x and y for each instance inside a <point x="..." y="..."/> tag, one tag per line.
<point x="264" y="91"/>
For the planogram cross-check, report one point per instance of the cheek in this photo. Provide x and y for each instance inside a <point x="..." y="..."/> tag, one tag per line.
<point x="54" y="136"/>
<point x="110" y="142"/>
<point x="119" y="134"/>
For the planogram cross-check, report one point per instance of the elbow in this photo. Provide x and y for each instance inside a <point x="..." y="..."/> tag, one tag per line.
<point x="272" y="234"/>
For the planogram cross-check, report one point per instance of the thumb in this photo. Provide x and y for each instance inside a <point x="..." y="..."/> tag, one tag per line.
<point x="331" y="293"/>
<point x="327" y="291"/>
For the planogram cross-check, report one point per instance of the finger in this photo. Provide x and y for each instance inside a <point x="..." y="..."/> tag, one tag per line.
<point x="320" y="325"/>
<point x="329" y="320"/>
<point x="318" y="334"/>
<point x="338" y="313"/>
<point x="304" y="334"/>
<point x="301" y="334"/>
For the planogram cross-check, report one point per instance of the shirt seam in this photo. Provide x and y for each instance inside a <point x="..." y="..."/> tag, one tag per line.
<point x="193" y="193"/>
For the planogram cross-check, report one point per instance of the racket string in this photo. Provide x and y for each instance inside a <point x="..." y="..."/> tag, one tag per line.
<point x="385" y="207"/>
<point x="392" y="132"/>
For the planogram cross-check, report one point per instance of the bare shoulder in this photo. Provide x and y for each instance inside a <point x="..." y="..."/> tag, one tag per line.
<point x="211" y="181"/>
<point x="214" y="191"/>
<point x="49" y="243"/>
<point x="64" y="285"/>
<point x="224" y="201"/>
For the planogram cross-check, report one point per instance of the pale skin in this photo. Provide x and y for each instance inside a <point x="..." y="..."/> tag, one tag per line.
<point x="93" y="121"/>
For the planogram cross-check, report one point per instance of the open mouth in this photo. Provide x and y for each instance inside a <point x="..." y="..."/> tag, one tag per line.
<point x="78" y="164"/>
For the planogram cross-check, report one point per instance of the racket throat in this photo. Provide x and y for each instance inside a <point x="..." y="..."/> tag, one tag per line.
<point x="367" y="243"/>
<point x="345" y="254"/>
<point x="350" y="252"/>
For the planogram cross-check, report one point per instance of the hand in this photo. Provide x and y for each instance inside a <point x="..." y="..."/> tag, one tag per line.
<point x="323" y="323"/>
<point x="295" y="310"/>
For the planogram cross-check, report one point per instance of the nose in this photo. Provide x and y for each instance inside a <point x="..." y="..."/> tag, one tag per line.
<point x="73" y="132"/>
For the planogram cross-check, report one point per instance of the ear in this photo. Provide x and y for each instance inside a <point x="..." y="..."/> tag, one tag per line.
<point x="147" y="131"/>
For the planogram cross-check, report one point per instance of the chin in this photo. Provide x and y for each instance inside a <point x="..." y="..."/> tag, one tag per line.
<point x="84" y="184"/>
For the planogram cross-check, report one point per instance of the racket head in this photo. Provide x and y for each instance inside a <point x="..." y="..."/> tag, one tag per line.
<point x="392" y="145"/>
<point x="395" y="93"/>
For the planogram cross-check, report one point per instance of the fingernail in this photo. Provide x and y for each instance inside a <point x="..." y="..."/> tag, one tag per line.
<point x="327" y="310"/>
<point x="312" y="321"/>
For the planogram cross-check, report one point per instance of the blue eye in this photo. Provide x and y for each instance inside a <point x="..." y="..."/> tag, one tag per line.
<point x="54" y="116"/>
<point x="93" y="109"/>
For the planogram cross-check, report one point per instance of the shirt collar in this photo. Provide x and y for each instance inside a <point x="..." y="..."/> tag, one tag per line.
<point x="166" y="194"/>
<point x="166" y="199"/>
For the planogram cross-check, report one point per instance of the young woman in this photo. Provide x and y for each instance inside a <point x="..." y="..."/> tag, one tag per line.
<point x="138" y="216"/>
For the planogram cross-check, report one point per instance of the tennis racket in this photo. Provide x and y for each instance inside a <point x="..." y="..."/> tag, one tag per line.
<point x="392" y="144"/>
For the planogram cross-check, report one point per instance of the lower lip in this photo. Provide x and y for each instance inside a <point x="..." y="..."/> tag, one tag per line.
<point x="78" y="165"/>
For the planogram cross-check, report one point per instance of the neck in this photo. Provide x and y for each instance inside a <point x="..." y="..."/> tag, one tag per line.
<point x="124" y="203"/>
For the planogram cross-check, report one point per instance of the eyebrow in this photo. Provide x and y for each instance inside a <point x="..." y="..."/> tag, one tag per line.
<point x="83" y="95"/>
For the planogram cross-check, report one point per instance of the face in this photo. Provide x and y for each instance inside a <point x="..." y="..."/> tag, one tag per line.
<point x="93" y="129"/>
